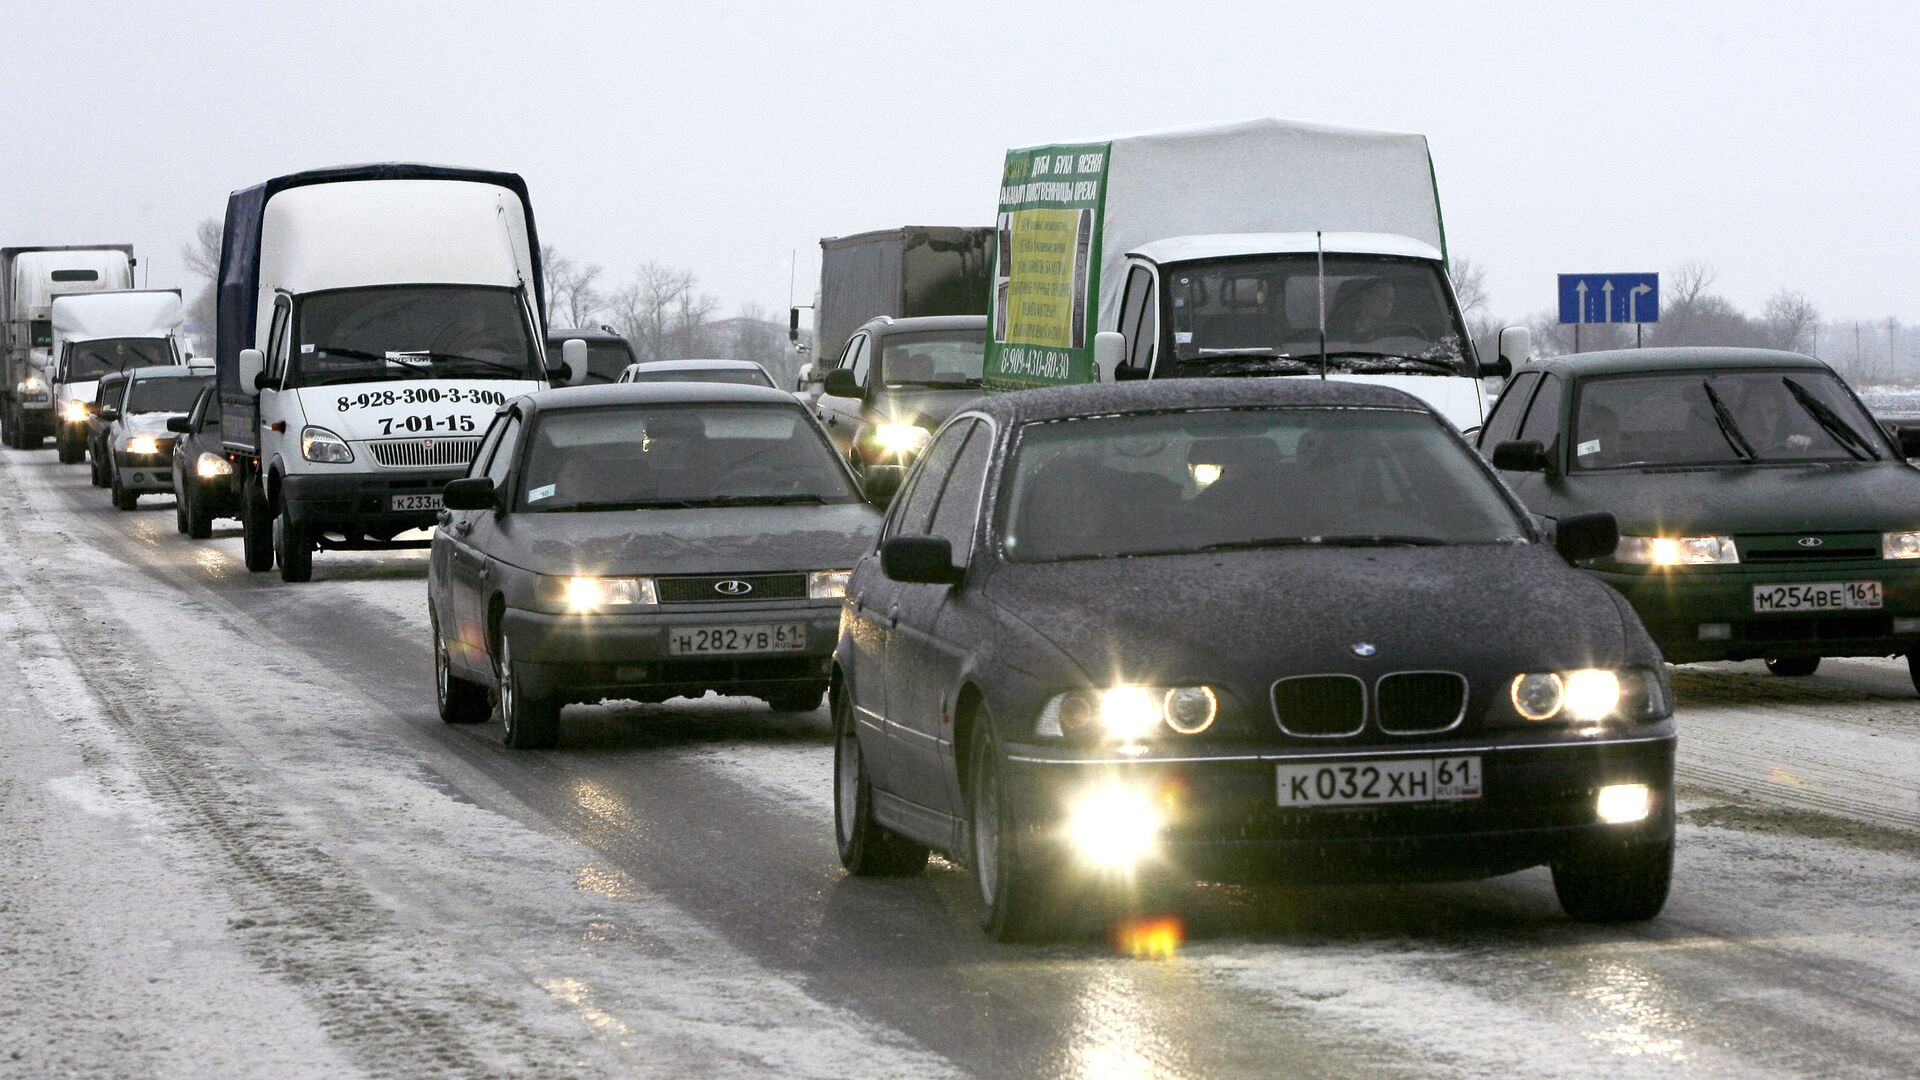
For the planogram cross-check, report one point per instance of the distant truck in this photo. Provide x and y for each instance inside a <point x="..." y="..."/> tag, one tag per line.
<point x="1265" y="247"/>
<point x="30" y="278"/>
<point x="910" y="272"/>
<point x="371" y="321"/>
<point x="96" y="334"/>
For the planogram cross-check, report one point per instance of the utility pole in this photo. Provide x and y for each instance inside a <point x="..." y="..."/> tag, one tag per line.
<point x="1893" y="327"/>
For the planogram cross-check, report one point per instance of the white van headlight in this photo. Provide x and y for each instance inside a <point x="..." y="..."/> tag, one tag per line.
<point x="319" y="444"/>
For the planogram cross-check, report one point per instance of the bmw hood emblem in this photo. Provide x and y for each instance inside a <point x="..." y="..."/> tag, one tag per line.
<point x="1363" y="649"/>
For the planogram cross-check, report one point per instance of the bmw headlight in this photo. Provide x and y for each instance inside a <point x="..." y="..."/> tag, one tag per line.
<point x="1588" y="695"/>
<point x="1676" y="550"/>
<point x="211" y="465"/>
<point x="142" y="445"/>
<point x="898" y="440"/>
<point x="319" y="444"/>
<point x="827" y="584"/>
<point x="581" y="595"/>
<point x="1900" y="545"/>
<point x="1128" y="713"/>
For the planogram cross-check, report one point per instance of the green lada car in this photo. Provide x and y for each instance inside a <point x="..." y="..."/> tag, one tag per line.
<point x="1763" y="512"/>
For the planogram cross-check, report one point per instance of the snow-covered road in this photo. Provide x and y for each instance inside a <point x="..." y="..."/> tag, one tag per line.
<point x="235" y="840"/>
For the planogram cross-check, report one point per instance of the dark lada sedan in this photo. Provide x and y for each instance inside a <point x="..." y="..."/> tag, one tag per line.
<point x="642" y="541"/>
<point x="1764" y="513"/>
<point x="1232" y="629"/>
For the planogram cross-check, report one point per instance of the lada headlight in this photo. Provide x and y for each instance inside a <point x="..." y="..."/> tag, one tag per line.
<point x="1588" y="695"/>
<point x="75" y="412"/>
<point x="319" y="444"/>
<point x="827" y="584"/>
<point x="582" y="595"/>
<point x="1676" y="550"/>
<point x="1900" y="545"/>
<point x="1127" y="713"/>
<point x="142" y="445"/>
<point x="898" y="440"/>
<point x="211" y="465"/>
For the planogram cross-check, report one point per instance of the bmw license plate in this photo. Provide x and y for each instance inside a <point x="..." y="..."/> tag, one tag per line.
<point x="1823" y="596"/>
<point x="418" y="502"/>
<point x="1395" y="780"/>
<point x="725" y="640"/>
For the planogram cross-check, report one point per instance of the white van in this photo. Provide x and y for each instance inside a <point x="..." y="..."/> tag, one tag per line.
<point x="96" y="334"/>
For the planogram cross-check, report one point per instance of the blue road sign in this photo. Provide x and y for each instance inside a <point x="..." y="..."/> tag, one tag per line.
<point x="1609" y="298"/>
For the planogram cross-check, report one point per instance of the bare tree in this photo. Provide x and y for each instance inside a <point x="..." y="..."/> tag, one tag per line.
<point x="201" y="256"/>
<point x="1469" y="285"/>
<point x="1791" y="321"/>
<point x="571" y="292"/>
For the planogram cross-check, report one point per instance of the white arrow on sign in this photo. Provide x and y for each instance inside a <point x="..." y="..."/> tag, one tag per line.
<point x="1580" y="290"/>
<point x="1606" y="290"/>
<point x="1633" y="301"/>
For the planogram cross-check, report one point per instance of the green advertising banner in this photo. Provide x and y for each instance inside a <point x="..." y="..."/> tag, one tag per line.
<point x="1047" y="266"/>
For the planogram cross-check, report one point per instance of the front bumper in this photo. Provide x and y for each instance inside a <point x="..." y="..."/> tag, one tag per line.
<point x="360" y="505"/>
<point x="1224" y="820"/>
<point x="1675" y="605"/>
<point x="591" y="657"/>
<point x="145" y="473"/>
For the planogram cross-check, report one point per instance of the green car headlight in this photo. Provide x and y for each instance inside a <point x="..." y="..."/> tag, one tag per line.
<point x="1676" y="550"/>
<point x="1900" y="545"/>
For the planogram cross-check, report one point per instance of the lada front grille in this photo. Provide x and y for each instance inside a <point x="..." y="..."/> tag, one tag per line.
<point x="1420" y="702"/>
<point x="423" y="453"/>
<point x="1801" y="549"/>
<point x="1320" y="706"/>
<point x="729" y="588"/>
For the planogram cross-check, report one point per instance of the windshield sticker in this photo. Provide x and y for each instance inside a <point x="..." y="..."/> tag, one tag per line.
<point x="307" y="348"/>
<point x="409" y="359"/>
<point x="1183" y="337"/>
<point x="544" y="491"/>
<point x="1589" y="448"/>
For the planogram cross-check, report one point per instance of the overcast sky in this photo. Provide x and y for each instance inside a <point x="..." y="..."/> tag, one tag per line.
<point x="1779" y="142"/>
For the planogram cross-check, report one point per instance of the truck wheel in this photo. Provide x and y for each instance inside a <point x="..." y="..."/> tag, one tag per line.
<point x="1012" y="891"/>
<point x="1793" y="667"/>
<point x="460" y="701"/>
<point x="70" y="450"/>
<point x="256" y="529"/>
<point x="293" y="547"/>
<point x="867" y="848"/>
<point x="199" y="518"/>
<point x="122" y="498"/>
<point x="532" y="723"/>
<point x="1619" y="883"/>
<point x="6" y="426"/>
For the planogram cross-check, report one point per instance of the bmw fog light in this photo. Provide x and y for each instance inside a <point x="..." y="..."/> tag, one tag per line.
<point x="1114" y="827"/>
<point x="1623" y="804"/>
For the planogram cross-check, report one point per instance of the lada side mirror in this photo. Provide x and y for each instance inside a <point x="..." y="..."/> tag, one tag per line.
<point x="1109" y="349"/>
<point x="920" y="560"/>
<point x="180" y="425"/>
<point x="253" y="364"/>
<point x="841" y="383"/>
<point x="1516" y="456"/>
<point x="1586" y="536"/>
<point x="573" y="352"/>
<point x="471" y="493"/>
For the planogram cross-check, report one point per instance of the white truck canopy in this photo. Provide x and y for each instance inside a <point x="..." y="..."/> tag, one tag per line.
<point x="39" y="276"/>
<point x="132" y="313"/>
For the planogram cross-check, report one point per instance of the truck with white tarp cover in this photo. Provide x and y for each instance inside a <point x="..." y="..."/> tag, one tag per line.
<point x="30" y="279"/>
<point x="96" y="334"/>
<point x="1263" y="247"/>
<point x="909" y="272"/>
<point x="371" y="321"/>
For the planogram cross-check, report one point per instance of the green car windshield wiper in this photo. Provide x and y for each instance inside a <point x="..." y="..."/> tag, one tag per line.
<point x="1728" y="429"/>
<point x="1842" y="432"/>
<point x="1357" y="540"/>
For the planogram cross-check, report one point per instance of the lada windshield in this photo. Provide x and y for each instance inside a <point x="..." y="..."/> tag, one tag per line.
<point x="1720" y="417"/>
<point x="172" y="395"/>
<point x="933" y="358"/>
<point x="1218" y="480"/>
<point x="1383" y="314"/>
<point x="88" y="360"/>
<point x="680" y="456"/>
<point x="412" y="332"/>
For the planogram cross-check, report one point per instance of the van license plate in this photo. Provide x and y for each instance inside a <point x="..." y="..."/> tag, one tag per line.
<point x="1823" y="596"/>
<point x="417" y="502"/>
<point x="1390" y="780"/>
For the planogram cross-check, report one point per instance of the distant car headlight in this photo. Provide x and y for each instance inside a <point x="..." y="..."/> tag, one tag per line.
<point x="1900" y="545"/>
<point x="211" y="465"/>
<point x="1127" y="713"/>
<point x="898" y="439"/>
<point x="32" y="387"/>
<point x="75" y="412"/>
<point x="1676" y="550"/>
<point x="581" y="595"/>
<point x="827" y="584"/>
<point x="1589" y="695"/>
<point x="142" y="445"/>
<point x="319" y="444"/>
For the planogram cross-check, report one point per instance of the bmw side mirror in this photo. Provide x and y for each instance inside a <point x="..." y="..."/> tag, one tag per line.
<point x="1516" y="456"/>
<point x="1109" y="349"/>
<point x="253" y="366"/>
<point x="920" y="560"/>
<point x="471" y="493"/>
<point x="1586" y="536"/>
<point x="180" y="425"/>
<point x="841" y="383"/>
<point x="882" y="482"/>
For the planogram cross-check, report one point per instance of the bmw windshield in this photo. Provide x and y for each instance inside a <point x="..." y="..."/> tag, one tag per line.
<point x="1170" y="483"/>
<point x="408" y="332"/>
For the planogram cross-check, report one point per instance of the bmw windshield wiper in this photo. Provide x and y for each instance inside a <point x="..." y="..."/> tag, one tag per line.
<point x="1728" y="429"/>
<point x="1357" y="540"/>
<point x="1842" y="432"/>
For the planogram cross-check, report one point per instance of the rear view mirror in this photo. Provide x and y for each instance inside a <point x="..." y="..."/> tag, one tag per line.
<point x="1109" y="349"/>
<point x="1516" y="456"/>
<point x="882" y="482"/>
<point x="1515" y="348"/>
<point x="841" y="383"/>
<point x="573" y="352"/>
<point x="180" y="425"/>
<point x="804" y="378"/>
<point x="253" y="365"/>
<point x="920" y="560"/>
<point x="1586" y="536"/>
<point x="107" y="414"/>
<point x="472" y="493"/>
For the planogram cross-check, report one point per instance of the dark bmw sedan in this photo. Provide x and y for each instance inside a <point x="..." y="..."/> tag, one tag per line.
<point x="1764" y="513"/>
<point x="642" y="541"/>
<point x="1229" y="629"/>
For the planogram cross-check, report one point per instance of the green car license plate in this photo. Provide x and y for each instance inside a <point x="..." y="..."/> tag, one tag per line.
<point x="1820" y="596"/>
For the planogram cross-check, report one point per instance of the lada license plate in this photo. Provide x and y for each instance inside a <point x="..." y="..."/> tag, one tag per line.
<point x="1394" y="780"/>
<point x="1821" y="596"/>
<point x="417" y="502"/>
<point x="723" y="640"/>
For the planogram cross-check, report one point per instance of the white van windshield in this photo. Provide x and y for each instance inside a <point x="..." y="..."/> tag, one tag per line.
<point x="412" y="332"/>
<point x="88" y="360"/>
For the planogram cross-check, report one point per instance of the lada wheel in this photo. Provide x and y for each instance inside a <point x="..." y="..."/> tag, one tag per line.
<point x="99" y="470"/>
<point x="1793" y="667"/>
<point x="1012" y="890"/>
<point x="199" y="518"/>
<point x="256" y="533"/>
<point x="460" y="701"/>
<point x="1616" y="883"/>
<point x="867" y="849"/>
<point x="293" y="548"/>
<point x="180" y="509"/>
<point x="122" y="498"/>
<point x="532" y="723"/>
